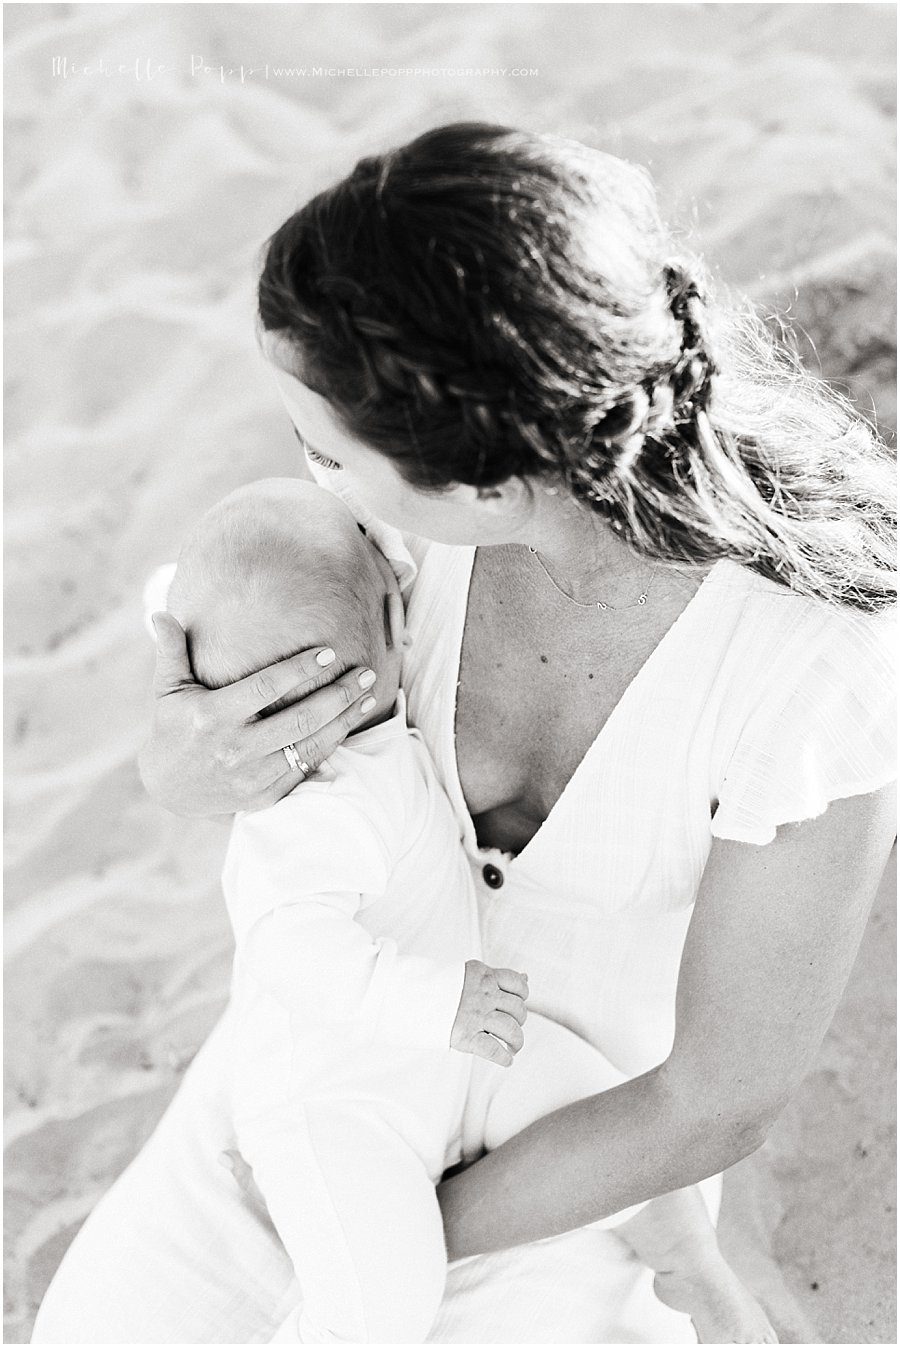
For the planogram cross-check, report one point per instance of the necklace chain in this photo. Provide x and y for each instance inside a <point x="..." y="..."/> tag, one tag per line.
<point x="597" y="603"/>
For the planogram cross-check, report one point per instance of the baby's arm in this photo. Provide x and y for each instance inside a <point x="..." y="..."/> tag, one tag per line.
<point x="295" y="878"/>
<point x="318" y="961"/>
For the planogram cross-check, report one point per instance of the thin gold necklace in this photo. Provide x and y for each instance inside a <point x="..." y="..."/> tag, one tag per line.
<point x="597" y="603"/>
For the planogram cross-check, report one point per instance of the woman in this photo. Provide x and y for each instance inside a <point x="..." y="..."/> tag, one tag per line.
<point x="650" y="655"/>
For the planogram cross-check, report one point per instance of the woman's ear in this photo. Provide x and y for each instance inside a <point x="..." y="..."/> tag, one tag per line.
<point x="511" y="497"/>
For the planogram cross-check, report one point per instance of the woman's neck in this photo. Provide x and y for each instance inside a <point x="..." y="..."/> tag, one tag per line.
<point x="582" y="553"/>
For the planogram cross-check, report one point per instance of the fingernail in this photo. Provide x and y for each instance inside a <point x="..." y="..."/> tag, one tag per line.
<point x="325" y="657"/>
<point x="367" y="704"/>
<point x="366" y="678"/>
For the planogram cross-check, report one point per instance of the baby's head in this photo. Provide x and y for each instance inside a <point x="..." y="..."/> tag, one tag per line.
<point x="280" y="566"/>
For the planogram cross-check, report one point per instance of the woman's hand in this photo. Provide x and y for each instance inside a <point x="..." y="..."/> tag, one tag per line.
<point x="211" y="752"/>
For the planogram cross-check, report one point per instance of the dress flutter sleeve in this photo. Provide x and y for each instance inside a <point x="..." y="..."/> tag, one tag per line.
<point x="825" y="731"/>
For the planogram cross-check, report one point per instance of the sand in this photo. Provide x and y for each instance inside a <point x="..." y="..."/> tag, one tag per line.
<point x="135" y="397"/>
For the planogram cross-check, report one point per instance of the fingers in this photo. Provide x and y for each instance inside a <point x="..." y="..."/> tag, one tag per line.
<point x="505" y="1028"/>
<point x="508" y="980"/>
<point x="280" y="782"/>
<point x="318" y="723"/>
<point x="489" y="1019"/>
<point x="513" y="1005"/>
<point x="485" y="1045"/>
<point x="258" y="690"/>
<point x="173" y="667"/>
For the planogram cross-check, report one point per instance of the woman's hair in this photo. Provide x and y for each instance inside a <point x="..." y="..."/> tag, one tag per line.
<point x="484" y="303"/>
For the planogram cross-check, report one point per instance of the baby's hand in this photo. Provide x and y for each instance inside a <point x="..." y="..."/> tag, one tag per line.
<point x="491" y="1013"/>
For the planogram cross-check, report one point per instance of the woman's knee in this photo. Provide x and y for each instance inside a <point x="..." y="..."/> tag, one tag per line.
<point x="79" y="1306"/>
<point x="408" y="1314"/>
<point x="400" y="1314"/>
<point x="378" y="1300"/>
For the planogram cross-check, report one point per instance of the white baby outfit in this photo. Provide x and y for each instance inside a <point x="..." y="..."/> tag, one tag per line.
<point x="756" y="709"/>
<point x="354" y="913"/>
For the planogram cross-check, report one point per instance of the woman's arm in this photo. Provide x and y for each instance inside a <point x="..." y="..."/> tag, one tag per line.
<point x="772" y="940"/>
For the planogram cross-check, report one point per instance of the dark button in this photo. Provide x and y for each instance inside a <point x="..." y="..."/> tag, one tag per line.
<point x="493" y="877"/>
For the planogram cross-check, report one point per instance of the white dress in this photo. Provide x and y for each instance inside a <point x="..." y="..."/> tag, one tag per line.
<point x="757" y="708"/>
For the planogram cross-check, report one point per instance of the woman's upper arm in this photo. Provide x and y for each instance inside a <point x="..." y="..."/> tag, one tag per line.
<point x="772" y="940"/>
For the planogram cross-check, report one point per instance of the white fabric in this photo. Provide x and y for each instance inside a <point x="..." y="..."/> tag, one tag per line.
<point x="346" y="1126"/>
<point x="332" y="898"/>
<point x="825" y="728"/>
<point x="354" y="913"/>
<point x="156" y="592"/>
<point x="355" y="1206"/>
<point x="596" y="909"/>
<point x="353" y="910"/>
<point x="597" y="905"/>
<point x="175" y="1252"/>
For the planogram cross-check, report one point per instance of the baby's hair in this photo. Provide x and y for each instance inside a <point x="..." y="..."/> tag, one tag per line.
<point x="486" y="303"/>
<point x="250" y="590"/>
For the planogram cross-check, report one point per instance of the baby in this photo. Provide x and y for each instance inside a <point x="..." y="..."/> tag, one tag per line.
<point x="359" y="997"/>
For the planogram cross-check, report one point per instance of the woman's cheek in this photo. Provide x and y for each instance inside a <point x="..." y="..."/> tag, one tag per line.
<point x="383" y="504"/>
<point x="411" y="511"/>
<point x="392" y="506"/>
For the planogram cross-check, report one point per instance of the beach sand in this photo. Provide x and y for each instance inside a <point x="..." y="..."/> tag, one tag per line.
<point x="135" y="397"/>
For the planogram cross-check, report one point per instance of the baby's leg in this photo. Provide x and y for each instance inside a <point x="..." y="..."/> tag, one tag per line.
<point x="358" y="1215"/>
<point x="672" y="1234"/>
<point x="554" y="1068"/>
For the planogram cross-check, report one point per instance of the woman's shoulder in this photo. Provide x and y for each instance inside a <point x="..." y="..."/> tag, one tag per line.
<point x="817" y="715"/>
<point x="781" y="631"/>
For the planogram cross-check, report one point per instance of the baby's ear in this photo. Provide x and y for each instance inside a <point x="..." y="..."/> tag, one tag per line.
<point x="394" y="619"/>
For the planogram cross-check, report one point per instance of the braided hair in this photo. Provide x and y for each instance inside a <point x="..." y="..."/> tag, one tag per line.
<point x="485" y="303"/>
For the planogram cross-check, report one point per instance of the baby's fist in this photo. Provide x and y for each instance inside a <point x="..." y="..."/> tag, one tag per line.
<point x="491" y="1013"/>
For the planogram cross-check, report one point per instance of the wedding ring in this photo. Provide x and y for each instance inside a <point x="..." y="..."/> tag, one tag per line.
<point x="294" y="761"/>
